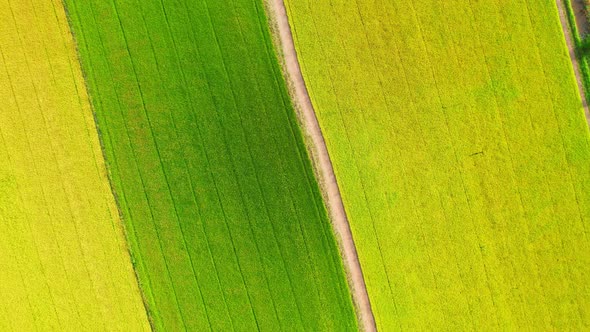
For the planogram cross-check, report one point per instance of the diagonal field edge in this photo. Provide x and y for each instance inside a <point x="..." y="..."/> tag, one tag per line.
<point x="572" y="53"/>
<point x="134" y="257"/>
<point x="321" y="161"/>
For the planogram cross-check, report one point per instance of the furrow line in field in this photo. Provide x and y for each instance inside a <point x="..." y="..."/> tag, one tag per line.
<point x="12" y="248"/>
<point x="413" y="107"/>
<point x="560" y="129"/>
<point x="98" y="159"/>
<point x="530" y="122"/>
<point x="448" y="128"/>
<point x="217" y="193"/>
<point x="526" y="228"/>
<point x="563" y="148"/>
<point x="311" y="173"/>
<point x="265" y="204"/>
<point x="273" y="49"/>
<point x="28" y="217"/>
<point x="282" y="171"/>
<point x="183" y="75"/>
<point x="122" y="31"/>
<point x="565" y="156"/>
<point x="438" y="104"/>
<point x="120" y="198"/>
<point x="404" y="172"/>
<point x="457" y="58"/>
<point x="504" y="139"/>
<point x="75" y="220"/>
<point x="185" y="167"/>
<point x="220" y="201"/>
<point x="233" y="163"/>
<point x="235" y="107"/>
<point x="243" y="201"/>
<point x="329" y="185"/>
<point x="435" y="105"/>
<point x="502" y="129"/>
<point x="526" y="98"/>
<point x="458" y="166"/>
<point x="44" y="125"/>
<point x="478" y="235"/>
<point x="293" y="126"/>
<point x="415" y="210"/>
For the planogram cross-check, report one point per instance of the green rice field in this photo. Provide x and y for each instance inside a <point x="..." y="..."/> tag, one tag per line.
<point x="224" y="217"/>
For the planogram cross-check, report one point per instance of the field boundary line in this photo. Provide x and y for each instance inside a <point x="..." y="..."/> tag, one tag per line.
<point x="120" y="201"/>
<point x="572" y="54"/>
<point x="321" y="161"/>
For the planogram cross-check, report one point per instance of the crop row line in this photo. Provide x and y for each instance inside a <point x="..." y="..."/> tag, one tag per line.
<point x="55" y="160"/>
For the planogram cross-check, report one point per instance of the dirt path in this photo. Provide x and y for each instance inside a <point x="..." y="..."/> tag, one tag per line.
<point x="580" y="15"/>
<point x="321" y="161"/>
<point x="571" y="49"/>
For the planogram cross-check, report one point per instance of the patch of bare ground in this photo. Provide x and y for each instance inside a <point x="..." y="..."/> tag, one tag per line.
<point x="579" y="7"/>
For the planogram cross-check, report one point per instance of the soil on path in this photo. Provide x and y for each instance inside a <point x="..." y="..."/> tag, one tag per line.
<point x="572" y="48"/>
<point x="579" y="8"/>
<point x="321" y="160"/>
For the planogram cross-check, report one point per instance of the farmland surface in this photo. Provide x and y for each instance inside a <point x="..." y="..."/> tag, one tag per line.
<point x="459" y="142"/>
<point x="64" y="264"/>
<point x="225" y="220"/>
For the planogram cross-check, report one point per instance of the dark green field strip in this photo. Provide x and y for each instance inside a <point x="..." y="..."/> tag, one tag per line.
<point x="223" y="214"/>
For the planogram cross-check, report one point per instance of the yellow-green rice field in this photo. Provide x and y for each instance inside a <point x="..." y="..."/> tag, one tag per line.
<point x="459" y="141"/>
<point x="64" y="264"/>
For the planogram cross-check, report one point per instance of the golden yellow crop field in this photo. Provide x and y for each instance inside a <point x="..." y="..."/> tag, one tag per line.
<point x="64" y="264"/>
<point x="459" y="142"/>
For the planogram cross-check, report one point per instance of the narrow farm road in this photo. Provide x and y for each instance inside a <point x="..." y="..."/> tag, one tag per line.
<point x="321" y="161"/>
<point x="572" y="52"/>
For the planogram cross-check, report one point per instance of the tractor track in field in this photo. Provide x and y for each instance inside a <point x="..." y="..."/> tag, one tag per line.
<point x="322" y="164"/>
<point x="572" y="53"/>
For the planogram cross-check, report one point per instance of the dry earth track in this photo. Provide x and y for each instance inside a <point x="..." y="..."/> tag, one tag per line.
<point x="573" y="58"/>
<point x="321" y="161"/>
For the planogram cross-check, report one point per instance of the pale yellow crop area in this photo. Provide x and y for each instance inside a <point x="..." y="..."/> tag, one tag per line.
<point x="64" y="264"/>
<point x="459" y="142"/>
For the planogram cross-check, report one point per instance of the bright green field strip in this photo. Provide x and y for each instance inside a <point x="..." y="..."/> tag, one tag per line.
<point x="64" y="263"/>
<point x="224" y="217"/>
<point x="462" y="152"/>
